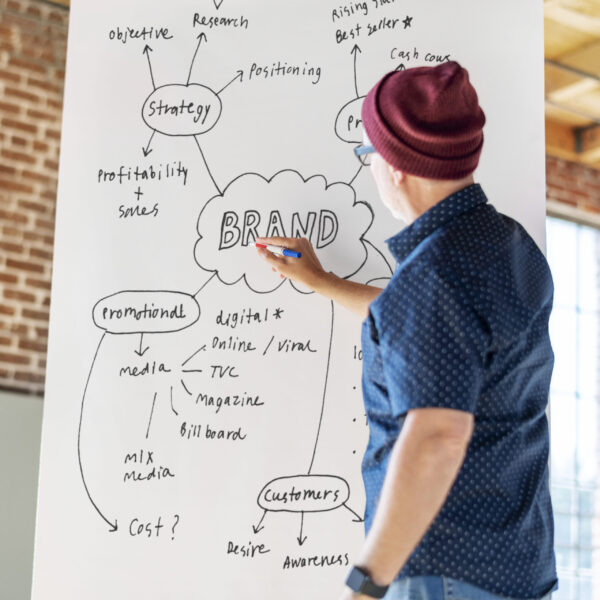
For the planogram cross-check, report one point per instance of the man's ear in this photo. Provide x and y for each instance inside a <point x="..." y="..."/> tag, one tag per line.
<point x="397" y="176"/>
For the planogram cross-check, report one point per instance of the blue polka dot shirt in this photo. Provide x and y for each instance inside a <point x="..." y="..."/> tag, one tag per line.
<point x="463" y="324"/>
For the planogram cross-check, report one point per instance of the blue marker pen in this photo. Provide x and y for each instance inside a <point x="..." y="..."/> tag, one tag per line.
<point x="279" y="250"/>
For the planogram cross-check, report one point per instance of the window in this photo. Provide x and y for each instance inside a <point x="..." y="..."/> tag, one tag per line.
<point x="574" y="257"/>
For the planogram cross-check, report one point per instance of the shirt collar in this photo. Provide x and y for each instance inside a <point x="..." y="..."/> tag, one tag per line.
<point x="404" y="242"/>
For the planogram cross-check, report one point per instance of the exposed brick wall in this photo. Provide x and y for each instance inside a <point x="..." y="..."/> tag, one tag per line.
<point x="33" y="38"/>
<point x="573" y="184"/>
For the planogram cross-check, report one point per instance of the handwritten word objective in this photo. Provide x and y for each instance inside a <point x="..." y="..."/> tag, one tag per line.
<point x="127" y="34"/>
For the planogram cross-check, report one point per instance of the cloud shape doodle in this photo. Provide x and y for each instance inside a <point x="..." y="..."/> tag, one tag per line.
<point x="285" y="205"/>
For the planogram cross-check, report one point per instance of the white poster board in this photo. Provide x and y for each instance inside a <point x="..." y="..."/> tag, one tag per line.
<point x="203" y="424"/>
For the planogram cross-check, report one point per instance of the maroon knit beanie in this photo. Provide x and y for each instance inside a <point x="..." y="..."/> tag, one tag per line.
<point x="426" y="121"/>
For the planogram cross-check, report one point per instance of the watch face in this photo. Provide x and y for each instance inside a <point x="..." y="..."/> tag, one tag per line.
<point x="359" y="581"/>
<point x="355" y="579"/>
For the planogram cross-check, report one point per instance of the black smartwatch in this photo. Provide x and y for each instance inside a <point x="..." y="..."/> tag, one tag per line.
<point x="360" y="582"/>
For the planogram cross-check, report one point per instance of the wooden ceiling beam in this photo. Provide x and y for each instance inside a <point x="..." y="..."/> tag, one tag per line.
<point x="584" y="60"/>
<point x="564" y="82"/>
<point x="560" y="140"/>
<point x="579" y="145"/>
<point x="559" y="11"/>
<point x="589" y="143"/>
<point x="573" y="90"/>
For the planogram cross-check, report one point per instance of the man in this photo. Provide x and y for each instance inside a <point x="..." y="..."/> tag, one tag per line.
<point x="457" y="362"/>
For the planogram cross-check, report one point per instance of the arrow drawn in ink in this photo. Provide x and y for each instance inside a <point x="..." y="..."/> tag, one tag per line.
<point x="358" y="519"/>
<point x="147" y="51"/>
<point x="147" y="149"/>
<point x="324" y="391"/>
<point x="355" y="51"/>
<point x="400" y="67"/>
<point x="301" y="539"/>
<point x="206" y="165"/>
<point x="240" y="76"/>
<point x="172" y="407"/>
<point x="217" y="4"/>
<point x="201" y="37"/>
<point x="113" y="526"/>
<point x="141" y="352"/>
<point x="257" y="528"/>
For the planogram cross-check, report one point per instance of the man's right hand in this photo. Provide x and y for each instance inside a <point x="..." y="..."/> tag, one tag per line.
<point x="306" y="270"/>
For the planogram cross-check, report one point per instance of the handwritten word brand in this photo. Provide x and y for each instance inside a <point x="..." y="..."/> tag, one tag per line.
<point x="232" y="233"/>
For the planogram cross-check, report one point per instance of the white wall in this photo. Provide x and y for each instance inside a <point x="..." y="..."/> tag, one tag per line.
<point x="20" y="428"/>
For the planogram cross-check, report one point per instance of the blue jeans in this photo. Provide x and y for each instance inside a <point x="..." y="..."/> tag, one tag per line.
<point x="430" y="587"/>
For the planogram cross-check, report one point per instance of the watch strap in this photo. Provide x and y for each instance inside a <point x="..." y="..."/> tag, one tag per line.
<point x="360" y="582"/>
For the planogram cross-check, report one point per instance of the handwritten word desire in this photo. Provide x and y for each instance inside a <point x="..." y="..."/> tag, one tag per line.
<point x="249" y="550"/>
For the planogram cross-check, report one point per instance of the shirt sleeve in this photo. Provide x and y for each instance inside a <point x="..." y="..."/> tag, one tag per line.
<point x="433" y="346"/>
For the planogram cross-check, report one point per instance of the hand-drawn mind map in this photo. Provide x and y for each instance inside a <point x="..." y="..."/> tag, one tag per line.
<point x="169" y="418"/>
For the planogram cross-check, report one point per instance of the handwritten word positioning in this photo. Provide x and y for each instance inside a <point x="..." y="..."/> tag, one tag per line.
<point x="283" y="69"/>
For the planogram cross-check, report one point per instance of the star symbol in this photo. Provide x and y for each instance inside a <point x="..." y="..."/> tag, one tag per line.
<point x="407" y="22"/>
<point x="278" y="312"/>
